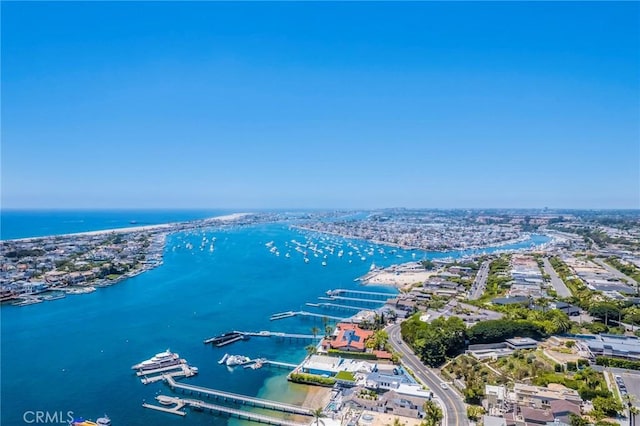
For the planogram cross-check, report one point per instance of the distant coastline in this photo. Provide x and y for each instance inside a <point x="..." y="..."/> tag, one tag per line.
<point x="168" y="227"/>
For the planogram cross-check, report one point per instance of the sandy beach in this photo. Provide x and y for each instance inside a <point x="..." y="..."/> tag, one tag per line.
<point x="399" y="276"/>
<point x="316" y="397"/>
<point x="131" y="229"/>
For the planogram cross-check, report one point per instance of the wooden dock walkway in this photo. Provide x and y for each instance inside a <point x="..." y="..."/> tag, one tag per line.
<point x="219" y="409"/>
<point x="353" y="299"/>
<point x="290" y="314"/>
<point x="265" y="333"/>
<point x="185" y="371"/>
<point x="337" y="306"/>
<point x="280" y="364"/>
<point x="168" y="400"/>
<point x="239" y="399"/>
<point x="339" y="291"/>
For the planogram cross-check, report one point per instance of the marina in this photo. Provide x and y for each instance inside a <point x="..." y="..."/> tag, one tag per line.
<point x="180" y="321"/>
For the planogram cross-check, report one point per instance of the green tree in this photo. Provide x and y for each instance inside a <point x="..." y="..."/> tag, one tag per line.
<point x="378" y="340"/>
<point x="432" y="414"/>
<point x="475" y="412"/>
<point x="631" y="315"/>
<point x="560" y="321"/>
<point x="606" y="406"/>
<point x="576" y="420"/>
<point x="311" y="349"/>
<point x="328" y="330"/>
<point x="605" y="311"/>
<point x="396" y="422"/>
<point x="317" y="414"/>
<point x="315" y="330"/>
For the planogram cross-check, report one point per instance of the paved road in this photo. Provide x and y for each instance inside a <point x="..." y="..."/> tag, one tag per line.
<point x="480" y="282"/>
<point x="617" y="273"/>
<point x="455" y="411"/>
<point x="556" y="282"/>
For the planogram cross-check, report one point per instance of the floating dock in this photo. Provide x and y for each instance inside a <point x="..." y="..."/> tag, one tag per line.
<point x="167" y="400"/>
<point x="201" y="405"/>
<point x="185" y="371"/>
<point x="239" y="399"/>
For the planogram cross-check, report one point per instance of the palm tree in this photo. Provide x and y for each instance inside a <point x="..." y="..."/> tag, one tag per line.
<point x="628" y="401"/>
<point x="317" y="414"/>
<point x="328" y="330"/>
<point x="432" y="414"/>
<point x="396" y="422"/>
<point x="325" y="321"/>
<point x="315" y="330"/>
<point x="311" y="349"/>
<point x="561" y="322"/>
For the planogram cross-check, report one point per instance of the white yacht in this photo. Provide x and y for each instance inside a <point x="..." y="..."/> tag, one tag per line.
<point x="159" y="360"/>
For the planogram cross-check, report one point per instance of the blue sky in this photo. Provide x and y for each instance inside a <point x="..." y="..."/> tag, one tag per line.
<point x="345" y="105"/>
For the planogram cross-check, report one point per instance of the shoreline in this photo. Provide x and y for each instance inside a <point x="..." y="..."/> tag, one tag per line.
<point x="316" y="397"/>
<point x="131" y="229"/>
<point x="154" y="252"/>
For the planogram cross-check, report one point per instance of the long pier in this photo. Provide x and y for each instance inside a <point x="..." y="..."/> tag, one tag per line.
<point x="281" y="364"/>
<point x="239" y="399"/>
<point x="201" y="405"/>
<point x="264" y="361"/>
<point x="353" y="299"/>
<point x="339" y="291"/>
<point x="265" y="333"/>
<point x="290" y="314"/>
<point x="337" y="306"/>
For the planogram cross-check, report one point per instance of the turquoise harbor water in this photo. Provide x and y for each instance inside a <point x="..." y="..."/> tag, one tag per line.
<point x="75" y="354"/>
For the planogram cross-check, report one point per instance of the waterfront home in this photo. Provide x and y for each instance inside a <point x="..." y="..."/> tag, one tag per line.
<point x="350" y="337"/>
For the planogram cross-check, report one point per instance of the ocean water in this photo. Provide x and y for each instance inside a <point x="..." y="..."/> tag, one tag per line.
<point x="75" y="354"/>
<point x="40" y="223"/>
